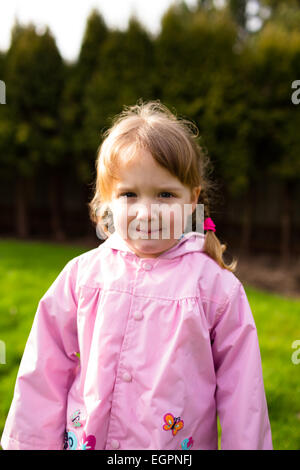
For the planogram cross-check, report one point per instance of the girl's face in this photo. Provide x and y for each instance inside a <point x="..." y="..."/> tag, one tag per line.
<point x="150" y="206"/>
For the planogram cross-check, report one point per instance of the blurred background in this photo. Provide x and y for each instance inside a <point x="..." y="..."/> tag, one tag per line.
<point x="233" y="68"/>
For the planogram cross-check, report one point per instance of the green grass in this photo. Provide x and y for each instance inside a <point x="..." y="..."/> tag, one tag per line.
<point x="278" y="325"/>
<point x="28" y="269"/>
<point x="26" y="272"/>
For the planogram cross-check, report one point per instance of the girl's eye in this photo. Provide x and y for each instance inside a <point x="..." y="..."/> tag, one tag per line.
<point x="124" y="194"/>
<point x="163" y="192"/>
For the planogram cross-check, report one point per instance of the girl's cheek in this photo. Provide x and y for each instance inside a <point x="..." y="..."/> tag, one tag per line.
<point x="174" y="221"/>
<point x="122" y="221"/>
<point x="119" y="216"/>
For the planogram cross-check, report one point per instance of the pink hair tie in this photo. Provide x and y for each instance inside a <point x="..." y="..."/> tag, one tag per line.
<point x="209" y="225"/>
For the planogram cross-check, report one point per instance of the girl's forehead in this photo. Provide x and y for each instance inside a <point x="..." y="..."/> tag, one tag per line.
<point x="147" y="176"/>
<point x="139" y="162"/>
<point x="142" y="170"/>
<point x="133" y="155"/>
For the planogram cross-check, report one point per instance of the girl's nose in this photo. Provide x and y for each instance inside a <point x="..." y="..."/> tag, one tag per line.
<point x="146" y="212"/>
<point x="143" y="211"/>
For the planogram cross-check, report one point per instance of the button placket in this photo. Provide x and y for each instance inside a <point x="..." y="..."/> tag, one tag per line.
<point x="124" y="376"/>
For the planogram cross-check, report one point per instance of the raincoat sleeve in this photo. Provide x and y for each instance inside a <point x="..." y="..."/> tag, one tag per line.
<point x="37" y="416"/>
<point x="240" y="395"/>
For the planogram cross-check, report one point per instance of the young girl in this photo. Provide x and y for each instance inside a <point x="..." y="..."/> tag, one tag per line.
<point x="164" y="331"/>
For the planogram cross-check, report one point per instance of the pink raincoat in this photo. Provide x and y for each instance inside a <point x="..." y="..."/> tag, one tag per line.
<point x="165" y="345"/>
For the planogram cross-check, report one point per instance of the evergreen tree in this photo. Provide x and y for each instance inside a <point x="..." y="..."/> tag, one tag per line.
<point x="35" y="76"/>
<point x="127" y="73"/>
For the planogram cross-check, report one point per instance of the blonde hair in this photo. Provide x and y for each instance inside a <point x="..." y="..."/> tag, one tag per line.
<point x="172" y="141"/>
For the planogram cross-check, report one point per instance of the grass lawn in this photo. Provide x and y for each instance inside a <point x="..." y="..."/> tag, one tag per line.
<point x="27" y="269"/>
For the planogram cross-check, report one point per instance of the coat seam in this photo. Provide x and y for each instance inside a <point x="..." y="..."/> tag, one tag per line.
<point x="196" y="296"/>
<point x="220" y="310"/>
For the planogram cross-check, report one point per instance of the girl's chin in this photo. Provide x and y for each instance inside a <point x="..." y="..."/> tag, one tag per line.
<point x="149" y="245"/>
<point x="152" y="246"/>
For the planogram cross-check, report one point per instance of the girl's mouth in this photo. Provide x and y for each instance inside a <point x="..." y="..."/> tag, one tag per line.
<point x="149" y="231"/>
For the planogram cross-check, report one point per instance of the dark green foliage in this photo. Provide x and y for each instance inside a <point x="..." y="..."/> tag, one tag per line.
<point x="236" y="88"/>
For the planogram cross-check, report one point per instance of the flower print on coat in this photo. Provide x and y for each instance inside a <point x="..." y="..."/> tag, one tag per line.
<point x="75" y="419"/>
<point x="88" y="442"/>
<point x="72" y="441"/>
<point x="187" y="443"/>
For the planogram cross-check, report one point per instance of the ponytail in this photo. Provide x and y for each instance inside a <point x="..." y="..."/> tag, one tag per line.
<point x="212" y="245"/>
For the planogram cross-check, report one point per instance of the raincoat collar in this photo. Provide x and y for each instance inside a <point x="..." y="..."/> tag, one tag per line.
<point x="189" y="242"/>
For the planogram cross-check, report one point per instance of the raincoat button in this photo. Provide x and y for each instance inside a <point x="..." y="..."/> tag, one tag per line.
<point x="115" y="444"/>
<point x="147" y="266"/>
<point x="126" y="376"/>
<point x="138" y="315"/>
